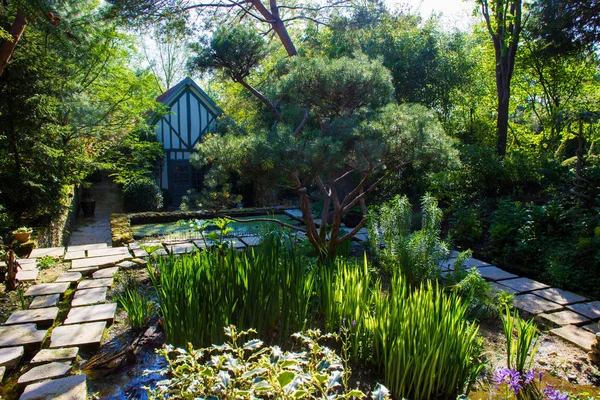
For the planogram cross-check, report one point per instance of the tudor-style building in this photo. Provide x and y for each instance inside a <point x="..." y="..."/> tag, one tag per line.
<point x="191" y="115"/>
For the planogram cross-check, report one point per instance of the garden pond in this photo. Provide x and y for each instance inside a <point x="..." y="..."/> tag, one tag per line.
<point x="179" y="230"/>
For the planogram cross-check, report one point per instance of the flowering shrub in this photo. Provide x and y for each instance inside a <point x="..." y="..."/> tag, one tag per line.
<point x="250" y="371"/>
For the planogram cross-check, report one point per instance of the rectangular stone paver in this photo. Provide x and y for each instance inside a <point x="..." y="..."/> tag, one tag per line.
<point x="49" y="300"/>
<point x="46" y="371"/>
<point x="181" y="248"/>
<point x="127" y="264"/>
<point x="20" y="335"/>
<point x="27" y="275"/>
<point x="594" y="328"/>
<point x="575" y="335"/>
<point x="140" y="253"/>
<point x="51" y="355"/>
<point x="251" y="240"/>
<point x="110" y="251"/>
<point x="100" y="262"/>
<point x="47" y="288"/>
<point x="100" y="312"/>
<point x="494" y="274"/>
<point x="69" y="388"/>
<point x="105" y="273"/>
<point x="89" y="296"/>
<point x="48" y="251"/>
<point x="95" y="283"/>
<point x="523" y="285"/>
<point x="535" y="305"/>
<point x="69" y="277"/>
<point x="28" y="264"/>
<point x="84" y="247"/>
<point x="498" y="287"/>
<point x="294" y="213"/>
<point x="86" y="271"/>
<point x="565" y="317"/>
<point x="73" y="255"/>
<point x="236" y="243"/>
<point x="77" y="335"/>
<point x="39" y="316"/>
<point x="560" y="296"/>
<point x="590" y="310"/>
<point x="473" y="262"/>
<point x="11" y="356"/>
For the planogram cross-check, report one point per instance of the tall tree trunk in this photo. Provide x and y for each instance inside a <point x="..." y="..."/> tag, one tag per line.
<point x="277" y="24"/>
<point x="502" y="123"/>
<point x="8" y="46"/>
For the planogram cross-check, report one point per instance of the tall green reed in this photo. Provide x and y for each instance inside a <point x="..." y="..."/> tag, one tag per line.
<point x="424" y="342"/>
<point x="418" y="336"/>
<point x="267" y="288"/>
<point x="521" y="350"/>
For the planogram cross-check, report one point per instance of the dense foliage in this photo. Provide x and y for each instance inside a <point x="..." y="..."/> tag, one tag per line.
<point x="199" y="293"/>
<point x="67" y="97"/>
<point x="251" y="370"/>
<point x="142" y="194"/>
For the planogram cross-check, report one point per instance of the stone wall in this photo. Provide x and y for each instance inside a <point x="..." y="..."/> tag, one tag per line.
<point x="58" y="231"/>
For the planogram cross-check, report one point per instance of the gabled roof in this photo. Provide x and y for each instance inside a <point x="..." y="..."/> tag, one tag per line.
<point x="167" y="97"/>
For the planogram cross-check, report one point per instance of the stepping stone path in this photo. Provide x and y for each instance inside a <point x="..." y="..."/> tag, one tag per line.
<point x="77" y="335"/>
<point x="69" y="277"/>
<point x="95" y="283"/>
<point x="85" y="271"/>
<point x="52" y="355"/>
<point x="127" y="264"/>
<point x="45" y="371"/>
<point x="42" y="317"/>
<point x="21" y="335"/>
<point x="11" y="356"/>
<point x="89" y="296"/>
<point x="85" y="325"/>
<point x="69" y="388"/>
<point x="100" y="312"/>
<point x="105" y="273"/>
<point x="571" y="312"/>
<point x="47" y="288"/>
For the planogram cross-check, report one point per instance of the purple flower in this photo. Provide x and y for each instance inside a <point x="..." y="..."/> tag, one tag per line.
<point x="343" y="321"/>
<point x="552" y="394"/>
<point x="501" y="376"/>
<point x="515" y="381"/>
<point x="353" y="322"/>
<point x="529" y="376"/>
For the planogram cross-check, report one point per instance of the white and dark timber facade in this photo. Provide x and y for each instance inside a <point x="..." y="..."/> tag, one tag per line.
<point x="191" y="115"/>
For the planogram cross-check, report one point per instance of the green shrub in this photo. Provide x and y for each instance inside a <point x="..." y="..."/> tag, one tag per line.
<point x="46" y="262"/>
<point x="417" y="255"/>
<point x="267" y="288"/>
<point x="466" y="228"/>
<point x="142" y="195"/>
<point x="237" y="370"/>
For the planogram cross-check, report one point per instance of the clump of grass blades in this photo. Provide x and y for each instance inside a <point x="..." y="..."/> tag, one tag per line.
<point x="426" y="346"/>
<point x="138" y="306"/>
<point x="345" y="292"/>
<point x="420" y="338"/>
<point x="267" y="288"/>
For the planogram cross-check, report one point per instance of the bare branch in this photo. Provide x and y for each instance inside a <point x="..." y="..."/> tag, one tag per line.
<point x="302" y="123"/>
